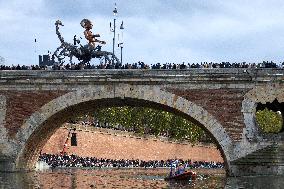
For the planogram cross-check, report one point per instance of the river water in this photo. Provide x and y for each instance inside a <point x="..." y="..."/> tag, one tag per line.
<point x="130" y="178"/>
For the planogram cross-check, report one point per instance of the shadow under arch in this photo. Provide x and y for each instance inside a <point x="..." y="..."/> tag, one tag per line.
<point x="43" y="123"/>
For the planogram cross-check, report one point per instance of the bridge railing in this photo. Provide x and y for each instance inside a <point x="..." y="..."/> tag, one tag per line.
<point x="193" y="74"/>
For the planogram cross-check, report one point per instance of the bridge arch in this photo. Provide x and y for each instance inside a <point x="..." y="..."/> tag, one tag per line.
<point x="43" y="123"/>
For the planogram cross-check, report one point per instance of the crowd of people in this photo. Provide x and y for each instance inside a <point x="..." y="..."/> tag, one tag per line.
<point x="55" y="160"/>
<point x="142" y="65"/>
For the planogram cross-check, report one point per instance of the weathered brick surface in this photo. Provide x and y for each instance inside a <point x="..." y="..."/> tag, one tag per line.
<point x="224" y="104"/>
<point x="121" y="145"/>
<point x="21" y="104"/>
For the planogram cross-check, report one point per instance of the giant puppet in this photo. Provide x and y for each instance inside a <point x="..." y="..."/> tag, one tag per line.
<point x="84" y="53"/>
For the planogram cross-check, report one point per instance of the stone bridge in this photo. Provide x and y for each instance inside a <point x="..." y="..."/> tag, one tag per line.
<point x="34" y="104"/>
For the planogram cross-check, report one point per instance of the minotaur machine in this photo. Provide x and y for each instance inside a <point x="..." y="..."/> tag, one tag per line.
<point x="84" y="53"/>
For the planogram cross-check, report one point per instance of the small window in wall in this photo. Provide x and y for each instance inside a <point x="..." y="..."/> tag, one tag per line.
<point x="74" y="139"/>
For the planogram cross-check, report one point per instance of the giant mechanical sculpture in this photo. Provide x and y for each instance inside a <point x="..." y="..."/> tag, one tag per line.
<point x="83" y="53"/>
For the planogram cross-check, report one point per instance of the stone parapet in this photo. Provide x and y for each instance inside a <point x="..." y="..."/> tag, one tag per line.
<point x="225" y="77"/>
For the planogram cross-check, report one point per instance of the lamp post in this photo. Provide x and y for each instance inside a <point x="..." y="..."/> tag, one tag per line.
<point x="120" y="44"/>
<point x="113" y="30"/>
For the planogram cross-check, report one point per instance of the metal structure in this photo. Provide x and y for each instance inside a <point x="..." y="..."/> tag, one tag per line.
<point x="83" y="53"/>
<point x="120" y="43"/>
<point x="113" y="29"/>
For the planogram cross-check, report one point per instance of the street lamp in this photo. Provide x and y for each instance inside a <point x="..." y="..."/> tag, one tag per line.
<point x="120" y="44"/>
<point x="113" y="30"/>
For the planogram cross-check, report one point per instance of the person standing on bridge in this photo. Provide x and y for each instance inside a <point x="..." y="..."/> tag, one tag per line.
<point x="87" y="24"/>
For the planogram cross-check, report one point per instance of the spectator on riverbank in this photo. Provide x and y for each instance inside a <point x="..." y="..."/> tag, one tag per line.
<point x="65" y="160"/>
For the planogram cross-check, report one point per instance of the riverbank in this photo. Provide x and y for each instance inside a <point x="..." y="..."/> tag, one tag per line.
<point x="107" y="143"/>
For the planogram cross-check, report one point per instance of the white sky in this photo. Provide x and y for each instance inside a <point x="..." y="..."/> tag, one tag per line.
<point x="155" y="30"/>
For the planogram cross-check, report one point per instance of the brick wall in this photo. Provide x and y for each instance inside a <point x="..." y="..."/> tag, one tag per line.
<point x="21" y="105"/>
<point x="224" y="104"/>
<point x="118" y="145"/>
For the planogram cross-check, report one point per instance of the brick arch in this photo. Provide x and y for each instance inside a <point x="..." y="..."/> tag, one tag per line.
<point x="257" y="95"/>
<point x="44" y="122"/>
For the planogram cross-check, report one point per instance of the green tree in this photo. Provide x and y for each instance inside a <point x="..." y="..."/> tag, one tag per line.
<point x="269" y="121"/>
<point x="150" y="121"/>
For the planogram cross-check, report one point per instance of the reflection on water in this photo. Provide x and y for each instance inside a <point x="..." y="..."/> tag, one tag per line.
<point x="129" y="178"/>
<point x="255" y="182"/>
